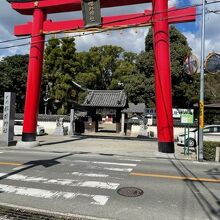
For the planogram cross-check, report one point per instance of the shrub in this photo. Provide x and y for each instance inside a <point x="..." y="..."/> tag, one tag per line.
<point x="209" y="150"/>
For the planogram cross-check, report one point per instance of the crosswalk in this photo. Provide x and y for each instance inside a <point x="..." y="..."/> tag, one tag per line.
<point x="95" y="181"/>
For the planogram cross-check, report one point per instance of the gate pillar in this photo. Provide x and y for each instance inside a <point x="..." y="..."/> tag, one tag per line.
<point x="34" y="77"/>
<point x="163" y="76"/>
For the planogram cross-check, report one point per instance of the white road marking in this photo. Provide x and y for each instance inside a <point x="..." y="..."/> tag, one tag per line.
<point x="47" y="194"/>
<point x="103" y="185"/>
<point x="109" y="168"/>
<point x="94" y="175"/>
<point x="83" y="161"/>
<point x="203" y="163"/>
<point x="119" y="164"/>
<point x="63" y="182"/>
<point x="118" y="169"/>
<point x="106" y="163"/>
<point x="124" y="159"/>
<point x="1" y="152"/>
<point x="89" y="174"/>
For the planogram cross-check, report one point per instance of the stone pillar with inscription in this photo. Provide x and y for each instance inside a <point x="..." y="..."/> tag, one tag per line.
<point x="95" y="123"/>
<point x="122" y="133"/>
<point x="72" y="122"/>
<point x="8" y="119"/>
<point x="60" y="129"/>
<point x="118" y="123"/>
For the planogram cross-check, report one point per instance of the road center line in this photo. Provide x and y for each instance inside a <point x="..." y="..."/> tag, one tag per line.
<point x="176" y="177"/>
<point x="10" y="164"/>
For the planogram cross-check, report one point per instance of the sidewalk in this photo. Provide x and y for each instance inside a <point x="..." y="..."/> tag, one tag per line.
<point x="104" y="143"/>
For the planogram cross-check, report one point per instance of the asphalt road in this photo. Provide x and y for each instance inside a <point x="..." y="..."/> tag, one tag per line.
<point x="86" y="185"/>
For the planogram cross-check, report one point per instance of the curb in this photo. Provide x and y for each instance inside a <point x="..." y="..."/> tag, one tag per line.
<point x="43" y="213"/>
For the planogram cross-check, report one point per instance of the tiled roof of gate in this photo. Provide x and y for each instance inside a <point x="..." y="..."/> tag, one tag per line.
<point x="132" y="108"/>
<point x="106" y="98"/>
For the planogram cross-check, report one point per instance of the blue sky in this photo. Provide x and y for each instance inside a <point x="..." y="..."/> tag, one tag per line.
<point x="191" y="26"/>
<point x="131" y="40"/>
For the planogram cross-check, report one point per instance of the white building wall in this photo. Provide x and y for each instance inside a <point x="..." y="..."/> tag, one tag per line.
<point x="135" y="129"/>
<point x="48" y="125"/>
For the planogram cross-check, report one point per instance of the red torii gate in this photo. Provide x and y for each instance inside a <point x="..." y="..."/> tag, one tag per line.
<point x="160" y="18"/>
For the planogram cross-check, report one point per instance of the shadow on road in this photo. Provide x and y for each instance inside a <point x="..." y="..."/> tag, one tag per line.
<point x="34" y="163"/>
<point x="196" y="192"/>
<point x="44" y="143"/>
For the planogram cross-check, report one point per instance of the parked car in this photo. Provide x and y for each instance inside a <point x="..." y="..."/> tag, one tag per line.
<point x="210" y="133"/>
<point x="18" y="125"/>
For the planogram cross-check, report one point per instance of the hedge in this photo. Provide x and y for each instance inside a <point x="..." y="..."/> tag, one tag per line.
<point x="209" y="150"/>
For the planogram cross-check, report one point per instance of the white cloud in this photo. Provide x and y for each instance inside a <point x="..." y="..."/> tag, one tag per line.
<point x="130" y="40"/>
<point x="172" y="3"/>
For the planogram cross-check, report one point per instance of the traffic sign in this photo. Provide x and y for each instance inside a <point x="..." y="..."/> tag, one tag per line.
<point x="191" y="64"/>
<point x="212" y="63"/>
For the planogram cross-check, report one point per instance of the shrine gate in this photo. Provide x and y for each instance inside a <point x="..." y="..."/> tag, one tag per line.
<point x="160" y="18"/>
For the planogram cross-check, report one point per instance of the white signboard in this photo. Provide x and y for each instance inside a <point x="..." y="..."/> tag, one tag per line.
<point x="177" y="112"/>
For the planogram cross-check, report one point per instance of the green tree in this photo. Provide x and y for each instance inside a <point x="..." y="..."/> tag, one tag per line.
<point x="211" y="95"/>
<point x="212" y="85"/>
<point x="128" y="78"/>
<point x="13" y="73"/>
<point x="124" y="70"/>
<point x="95" y="68"/>
<point x="87" y="80"/>
<point x="88" y="73"/>
<point x="136" y="87"/>
<point x="185" y="88"/>
<point x="104" y="60"/>
<point x="145" y="66"/>
<point x="60" y="69"/>
<point x="129" y="57"/>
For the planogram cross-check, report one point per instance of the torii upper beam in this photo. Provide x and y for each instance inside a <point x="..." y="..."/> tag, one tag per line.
<point x="146" y="18"/>
<point x="57" y="6"/>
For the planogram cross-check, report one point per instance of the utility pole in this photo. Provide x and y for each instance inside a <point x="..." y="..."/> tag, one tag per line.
<point x="201" y="100"/>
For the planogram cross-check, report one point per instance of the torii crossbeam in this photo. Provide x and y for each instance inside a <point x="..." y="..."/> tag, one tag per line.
<point x="159" y="18"/>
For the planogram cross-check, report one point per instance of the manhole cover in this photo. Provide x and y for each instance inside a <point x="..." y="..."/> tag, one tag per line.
<point x="130" y="192"/>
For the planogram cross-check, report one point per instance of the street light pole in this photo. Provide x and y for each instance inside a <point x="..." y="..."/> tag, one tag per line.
<point x="201" y="100"/>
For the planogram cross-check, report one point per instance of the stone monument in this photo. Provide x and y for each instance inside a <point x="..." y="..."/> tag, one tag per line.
<point x="60" y="129"/>
<point x="8" y="119"/>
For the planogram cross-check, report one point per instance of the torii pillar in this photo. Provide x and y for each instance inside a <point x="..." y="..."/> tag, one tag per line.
<point x="163" y="76"/>
<point x="34" y="78"/>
